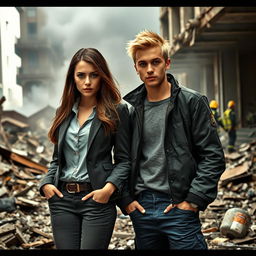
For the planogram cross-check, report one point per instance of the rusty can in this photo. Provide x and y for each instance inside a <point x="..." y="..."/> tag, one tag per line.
<point x="236" y="223"/>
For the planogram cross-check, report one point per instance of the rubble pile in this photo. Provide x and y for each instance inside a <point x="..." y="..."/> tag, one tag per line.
<point x="237" y="189"/>
<point x="24" y="213"/>
<point x="123" y="234"/>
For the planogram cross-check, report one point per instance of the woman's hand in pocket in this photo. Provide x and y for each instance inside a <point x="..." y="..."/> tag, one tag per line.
<point x="50" y="190"/>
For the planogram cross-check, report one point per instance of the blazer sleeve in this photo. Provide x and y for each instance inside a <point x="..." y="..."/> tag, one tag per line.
<point x="121" y="149"/>
<point x="49" y="176"/>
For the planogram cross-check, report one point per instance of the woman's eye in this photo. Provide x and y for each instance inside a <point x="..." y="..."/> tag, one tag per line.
<point x="80" y="75"/>
<point x="94" y="75"/>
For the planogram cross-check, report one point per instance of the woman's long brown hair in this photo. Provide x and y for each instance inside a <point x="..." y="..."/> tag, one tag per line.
<point x="107" y="98"/>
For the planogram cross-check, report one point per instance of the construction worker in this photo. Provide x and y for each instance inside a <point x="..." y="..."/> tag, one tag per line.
<point x="229" y="123"/>
<point x="214" y="106"/>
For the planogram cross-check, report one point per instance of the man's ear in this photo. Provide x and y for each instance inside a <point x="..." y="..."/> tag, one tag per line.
<point x="136" y="68"/>
<point x="168" y="63"/>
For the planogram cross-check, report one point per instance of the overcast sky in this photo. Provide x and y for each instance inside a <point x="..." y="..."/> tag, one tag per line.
<point x="106" y="28"/>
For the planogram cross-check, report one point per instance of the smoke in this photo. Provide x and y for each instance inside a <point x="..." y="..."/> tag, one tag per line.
<point x="35" y="100"/>
<point x="106" y="28"/>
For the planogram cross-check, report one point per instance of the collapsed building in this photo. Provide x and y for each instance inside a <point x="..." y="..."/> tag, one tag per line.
<point x="213" y="51"/>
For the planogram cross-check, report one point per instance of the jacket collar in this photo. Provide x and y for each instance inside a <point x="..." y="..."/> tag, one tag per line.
<point x="136" y="97"/>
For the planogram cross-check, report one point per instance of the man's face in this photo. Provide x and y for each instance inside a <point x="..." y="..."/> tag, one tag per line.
<point x="151" y="66"/>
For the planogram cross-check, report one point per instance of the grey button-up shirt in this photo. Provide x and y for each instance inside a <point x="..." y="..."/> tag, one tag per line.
<point x="75" y="149"/>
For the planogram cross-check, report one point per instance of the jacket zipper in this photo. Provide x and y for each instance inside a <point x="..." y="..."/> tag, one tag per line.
<point x="168" y="111"/>
<point x="140" y="118"/>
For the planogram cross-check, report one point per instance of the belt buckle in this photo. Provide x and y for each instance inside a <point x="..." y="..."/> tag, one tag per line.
<point x="72" y="184"/>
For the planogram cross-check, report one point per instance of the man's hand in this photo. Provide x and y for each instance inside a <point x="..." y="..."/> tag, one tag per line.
<point x="101" y="195"/>
<point x="49" y="191"/>
<point x="133" y="206"/>
<point x="183" y="205"/>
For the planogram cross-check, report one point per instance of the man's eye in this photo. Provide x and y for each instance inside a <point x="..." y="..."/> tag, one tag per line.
<point x="142" y="64"/>
<point x="156" y="62"/>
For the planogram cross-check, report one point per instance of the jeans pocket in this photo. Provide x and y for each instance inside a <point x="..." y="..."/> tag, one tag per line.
<point x="133" y="213"/>
<point x="52" y="198"/>
<point x="97" y="203"/>
<point x="184" y="211"/>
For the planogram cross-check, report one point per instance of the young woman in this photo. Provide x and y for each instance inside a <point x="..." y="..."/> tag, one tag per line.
<point x="91" y="155"/>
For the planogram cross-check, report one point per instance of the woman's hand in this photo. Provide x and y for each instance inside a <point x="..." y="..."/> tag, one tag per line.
<point x="49" y="191"/>
<point x="101" y="195"/>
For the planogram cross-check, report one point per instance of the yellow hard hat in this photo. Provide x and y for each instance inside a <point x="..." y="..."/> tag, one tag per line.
<point x="231" y="104"/>
<point x="214" y="104"/>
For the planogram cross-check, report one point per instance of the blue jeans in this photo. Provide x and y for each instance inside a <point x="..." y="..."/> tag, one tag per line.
<point x="177" y="229"/>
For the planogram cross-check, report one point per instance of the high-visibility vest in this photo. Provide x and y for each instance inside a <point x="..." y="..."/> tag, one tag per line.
<point x="226" y="120"/>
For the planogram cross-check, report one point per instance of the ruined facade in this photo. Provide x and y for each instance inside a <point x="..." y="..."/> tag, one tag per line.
<point x="10" y="62"/>
<point x="39" y="60"/>
<point x="213" y="51"/>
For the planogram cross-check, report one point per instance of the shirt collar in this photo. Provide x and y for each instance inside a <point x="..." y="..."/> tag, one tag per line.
<point x="75" y="107"/>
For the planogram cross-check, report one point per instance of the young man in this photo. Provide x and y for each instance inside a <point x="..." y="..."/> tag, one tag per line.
<point x="177" y="158"/>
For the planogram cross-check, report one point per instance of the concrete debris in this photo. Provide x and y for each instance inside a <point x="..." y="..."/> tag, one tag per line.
<point x="236" y="190"/>
<point x="24" y="213"/>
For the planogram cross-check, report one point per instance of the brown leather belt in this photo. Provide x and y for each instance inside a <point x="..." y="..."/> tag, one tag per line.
<point x="73" y="187"/>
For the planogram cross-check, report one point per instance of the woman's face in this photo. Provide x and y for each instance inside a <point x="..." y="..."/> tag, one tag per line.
<point x="87" y="79"/>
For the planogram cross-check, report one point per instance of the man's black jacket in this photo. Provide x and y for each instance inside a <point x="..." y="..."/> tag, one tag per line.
<point x="194" y="154"/>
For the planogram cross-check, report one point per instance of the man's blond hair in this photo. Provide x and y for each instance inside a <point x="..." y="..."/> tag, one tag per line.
<point x="146" y="39"/>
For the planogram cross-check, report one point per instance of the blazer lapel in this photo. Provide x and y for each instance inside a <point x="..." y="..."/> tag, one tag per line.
<point x="96" y="123"/>
<point x="62" y="132"/>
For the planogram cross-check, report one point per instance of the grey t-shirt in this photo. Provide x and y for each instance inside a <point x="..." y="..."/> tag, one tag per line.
<point x="153" y="174"/>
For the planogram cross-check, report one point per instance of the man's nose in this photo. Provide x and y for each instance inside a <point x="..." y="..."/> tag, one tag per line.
<point x="149" y="69"/>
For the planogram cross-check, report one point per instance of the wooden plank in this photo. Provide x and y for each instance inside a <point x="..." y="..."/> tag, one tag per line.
<point x="217" y="203"/>
<point x="209" y="230"/>
<point x="39" y="232"/>
<point x="27" y="202"/>
<point x="23" y="191"/>
<point x="233" y="156"/>
<point x="7" y="228"/>
<point x="25" y="161"/>
<point x="211" y="15"/>
<point x="41" y="242"/>
<point x="231" y="173"/>
<point x="20" y="236"/>
<point x="22" y="159"/>
<point x="235" y="198"/>
<point x="34" y="171"/>
<point x="244" y="240"/>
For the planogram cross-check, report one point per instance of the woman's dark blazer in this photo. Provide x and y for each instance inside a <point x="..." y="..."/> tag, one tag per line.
<point x="108" y="156"/>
